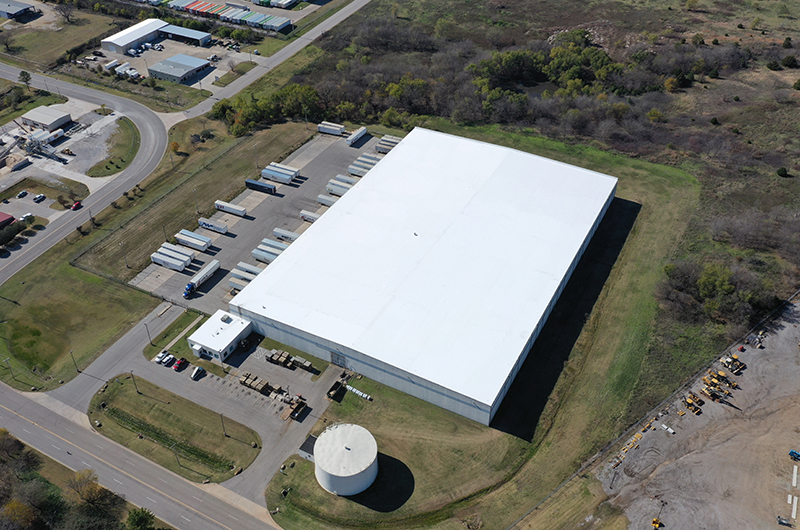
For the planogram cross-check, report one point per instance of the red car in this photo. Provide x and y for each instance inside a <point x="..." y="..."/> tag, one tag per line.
<point x="180" y="364"/>
<point x="76" y="206"/>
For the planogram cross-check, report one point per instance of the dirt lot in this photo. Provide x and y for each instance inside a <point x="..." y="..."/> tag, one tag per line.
<point x="729" y="467"/>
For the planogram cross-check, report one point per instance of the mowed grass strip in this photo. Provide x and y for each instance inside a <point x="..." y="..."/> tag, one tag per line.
<point x="180" y="420"/>
<point x="45" y="44"/>
<point x="436" y="458"/>
<point x="213" y="170"/>
<point x="585" y="410"/>
<point x="50" y="309"/>
<point x="238" y="71"/>
<point x="123" y="146"/>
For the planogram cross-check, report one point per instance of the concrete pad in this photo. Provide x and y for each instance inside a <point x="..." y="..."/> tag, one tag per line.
<point x="65" y="411"/>
<point x="93" y="183"/>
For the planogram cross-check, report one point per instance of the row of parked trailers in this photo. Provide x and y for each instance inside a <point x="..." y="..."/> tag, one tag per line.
<point x="280" y="173"/>
<point x="363" y="164"/>
<point x="173" y="257"/>
<point x="269" y="249"/>
<point x="387" y="143"/>
<point x="243" y="274"/>
<point x="237" y="14"/>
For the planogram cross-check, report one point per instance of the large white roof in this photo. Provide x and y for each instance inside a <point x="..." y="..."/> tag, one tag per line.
<point x="441" y="261"/>
<point x="46" y="115"/>
<point x="133" y="33"/>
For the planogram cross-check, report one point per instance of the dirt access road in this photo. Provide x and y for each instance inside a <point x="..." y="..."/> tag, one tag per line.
<point x="728" y="467"/>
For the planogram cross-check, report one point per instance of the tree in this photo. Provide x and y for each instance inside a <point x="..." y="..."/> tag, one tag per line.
<point x="141" y="519"/>
<point x="64" y="11"/>
<point x="671" y="84"/>
<point x="790" y="61"/>
<point x="796" y="85"/>
<point x="691" y="5"/>
<point x="174" y="146"/>
<point x="697" y="39"/>
<point x="84" y="484"/>
<point x="782" y="172"/>
<point x="787" y="43"/>
<point x="25" y="79"/>
<point x="756" y="23"/>
<point x="7" y="41"/>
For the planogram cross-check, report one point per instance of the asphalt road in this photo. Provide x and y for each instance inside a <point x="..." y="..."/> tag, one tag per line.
<point x="175" y="500"/>
<point x="153" y="144"/>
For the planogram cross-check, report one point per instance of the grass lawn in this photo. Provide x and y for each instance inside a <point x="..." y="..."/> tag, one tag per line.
<point x="181" y="348"/>
<point x="122" y="148"/>
<point x="165" y="97"/>
<point x="69" y="189"/>
<point x="239" y="70"/>
<point x="435" y="458"/>
<point x="280" y="76"/>
<point x="181" y="420"/>
<point x="43" y="45"/>
<point x="58" y="474"/>
<point x="37" y="99"/>
<point x="168" y="199"/>
<point x="266" y="47"/>
<point x="584" y="411"/>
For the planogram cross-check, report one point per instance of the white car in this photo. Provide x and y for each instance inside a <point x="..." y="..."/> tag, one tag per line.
<point x="197" y="372"/>
<point x="160" y="357"/>
<point x="168" y="360"/>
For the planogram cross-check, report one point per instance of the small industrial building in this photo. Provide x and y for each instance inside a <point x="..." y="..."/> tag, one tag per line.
<point x="149" y="30"/>
<point x="12" y="9"/>
<point x="345" y="459"/>
<point x="46" y="118"/>
<point x="134" y="36"/>
<point x="218" y="336"/>
<point x="191" y="36"/>
<point x="6" y="220"/>
<point x="436" y="272"/>
<point x="178" y="68"/>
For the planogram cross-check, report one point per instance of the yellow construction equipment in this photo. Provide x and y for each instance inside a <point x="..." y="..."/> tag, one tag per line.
<point x="691" y="406"/>
<point x="696" y="399"/>
<point x="733" y="364"/>
<point x="726" y="380"/>
<point x="711" y="393"/>
<point x="656" y="523"/>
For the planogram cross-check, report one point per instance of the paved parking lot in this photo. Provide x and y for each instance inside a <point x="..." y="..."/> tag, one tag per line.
<point x="319" y="161"/>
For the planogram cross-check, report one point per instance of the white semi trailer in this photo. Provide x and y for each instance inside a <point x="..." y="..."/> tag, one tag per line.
<point x="198" y="279"/>
<point x="166" y="261"/>
<point x="216" y="226"/>
<point x="230" y="208"/>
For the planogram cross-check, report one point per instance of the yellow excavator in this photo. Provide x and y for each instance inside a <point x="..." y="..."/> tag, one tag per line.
<point x="657" y="523"/>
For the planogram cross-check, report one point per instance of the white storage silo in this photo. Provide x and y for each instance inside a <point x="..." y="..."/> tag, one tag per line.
<point x="346" y="459"/>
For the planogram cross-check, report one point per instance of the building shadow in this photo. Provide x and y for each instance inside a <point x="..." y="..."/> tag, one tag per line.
<point x="522" y="407"/>
<point x="392" y="487"/>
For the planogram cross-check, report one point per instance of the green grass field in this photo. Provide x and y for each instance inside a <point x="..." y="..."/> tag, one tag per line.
<point x="587" y="406"/>
<point x="37" y="98"/>
<point x="122" y="148"/>
<point x="182" y="419"/>
<point x="238" y="71"/>
<point x="43" y="45"/>
<point x="169" y="196"/>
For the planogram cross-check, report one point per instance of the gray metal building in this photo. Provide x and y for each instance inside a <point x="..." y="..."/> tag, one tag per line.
<point x="12" y="9"/>
<point x="178" y="68"/>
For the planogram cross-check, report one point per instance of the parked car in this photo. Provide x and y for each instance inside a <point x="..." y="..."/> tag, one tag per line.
<point x="198" y="371"/>
<point x="76" y="206"/>
<point x="21" y="194"/>
<point x="98" y="53"/>
<point x="39" y="198"/>
<point x="26" y="217"/>
<point x="168" y="360"/>
<point x="160" y="357"/>
<point x="182" y="362"/>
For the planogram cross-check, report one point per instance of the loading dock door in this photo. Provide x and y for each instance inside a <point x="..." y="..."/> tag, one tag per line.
<point x="338" y="359"/>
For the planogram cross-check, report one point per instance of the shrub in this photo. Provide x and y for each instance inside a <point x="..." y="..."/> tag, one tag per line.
<point x="713" y="74"/>
<point x="697" y="39"/>
<point x="655" y="115"/>
<point x="787" y="43"/>
<point x="782" y="172"/>
<point x="715" y="42"/>
<point x="790" y="61"/>
<point x="736" y="98"/>
<point x="796" y="85"/>
<point x="714" y="121"/>
<point x="773" y="65"/>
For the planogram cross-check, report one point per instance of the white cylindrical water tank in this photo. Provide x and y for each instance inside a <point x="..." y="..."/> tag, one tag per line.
<point x="346" y="459"/>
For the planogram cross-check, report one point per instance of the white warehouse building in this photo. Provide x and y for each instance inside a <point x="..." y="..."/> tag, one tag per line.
<point x="436" y="272"/>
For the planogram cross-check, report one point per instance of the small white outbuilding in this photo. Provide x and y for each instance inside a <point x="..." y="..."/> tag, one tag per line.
<point x="346" y="459"/>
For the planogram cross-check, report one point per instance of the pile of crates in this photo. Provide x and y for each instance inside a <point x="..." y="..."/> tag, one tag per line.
<point x="283" y="358"/>
<point x="259" y="385"/>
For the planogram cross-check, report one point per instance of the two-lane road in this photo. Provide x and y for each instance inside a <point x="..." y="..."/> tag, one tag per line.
<point x="151" y="150"/>
<point x="175" y="500"/>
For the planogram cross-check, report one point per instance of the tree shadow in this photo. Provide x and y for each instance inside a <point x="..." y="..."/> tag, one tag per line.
<point x="392" y="487"/>
<point x="525" y="401"/>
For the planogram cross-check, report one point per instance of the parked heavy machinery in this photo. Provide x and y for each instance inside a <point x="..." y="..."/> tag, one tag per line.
<point x="784" y="521"/>
<point x="696" y="399"/>
<point x="689" y="403"/>
<point x="724" y="379"/>
<point x="733" y="364"/>
<point x="712" y="393"/>
<point x="794" y="455"/>
<point x="656" y="523"/>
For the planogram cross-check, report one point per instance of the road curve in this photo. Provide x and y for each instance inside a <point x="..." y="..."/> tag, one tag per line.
<point x="153" y="144"/>
<point x="175" y="500"/>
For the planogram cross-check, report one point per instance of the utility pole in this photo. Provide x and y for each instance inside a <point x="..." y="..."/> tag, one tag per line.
<point x="9" y="368"/>
<point x="196" y="209"/>
<point x="73" y="361"/>
<point x="122" y="247"/>
<point x="176" y="454"/>
<point x="222" y="419"/>
<point x="134" y="383"/>
<point x="148" y="334"/>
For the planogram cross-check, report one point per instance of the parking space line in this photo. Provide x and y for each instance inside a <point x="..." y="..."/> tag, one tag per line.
<point x="118" y="481"/>
<point x="182" y="517"/>
<point x="196" y="498"/>
<point x="794" y="478"/>
<point x="151" y="500"/>
<point x="794" y="508"/>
